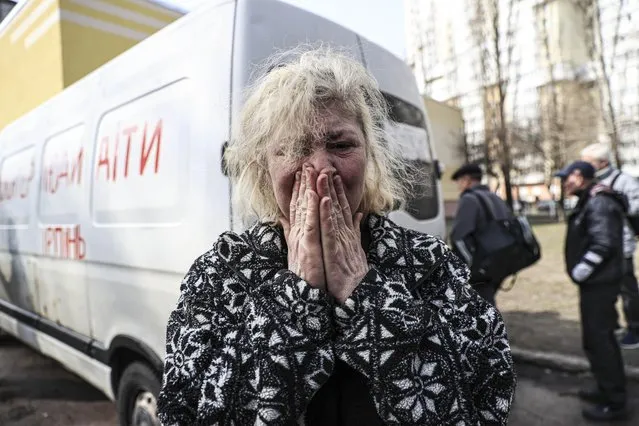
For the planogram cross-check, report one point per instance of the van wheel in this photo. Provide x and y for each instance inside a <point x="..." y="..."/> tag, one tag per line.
<point x="137" y="396"/>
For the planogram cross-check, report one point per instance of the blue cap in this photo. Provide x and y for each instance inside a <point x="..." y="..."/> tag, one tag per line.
<point x="586" y="169"/>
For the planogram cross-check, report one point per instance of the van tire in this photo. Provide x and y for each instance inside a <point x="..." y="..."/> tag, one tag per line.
<point x="137" y="395"/>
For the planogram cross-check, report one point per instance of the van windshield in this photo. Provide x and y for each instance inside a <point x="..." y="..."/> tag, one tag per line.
<point x="411" y="133"/>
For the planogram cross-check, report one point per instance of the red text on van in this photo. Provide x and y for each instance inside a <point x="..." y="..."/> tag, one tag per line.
<point x="65" y="242"/>
<point x="64" y="170"/>
<point x="148" y="138"/>
<point x="17" y="186"/>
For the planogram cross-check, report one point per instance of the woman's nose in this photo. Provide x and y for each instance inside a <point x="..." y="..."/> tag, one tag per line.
<point x="320" y="161"/>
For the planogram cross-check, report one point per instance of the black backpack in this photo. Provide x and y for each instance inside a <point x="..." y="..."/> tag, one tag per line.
<point x="633" y="221"/>
<point x="503" y="247"/>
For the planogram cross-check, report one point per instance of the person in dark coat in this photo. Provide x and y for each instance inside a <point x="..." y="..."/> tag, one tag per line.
<point x="595" y="262"/>
<point x="471" y="216"/>
<point x="600" y="157"/>
<point x="324" y="311"/>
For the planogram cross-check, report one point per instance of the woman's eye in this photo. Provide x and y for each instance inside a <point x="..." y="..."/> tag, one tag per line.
<point x="341" y="145"/>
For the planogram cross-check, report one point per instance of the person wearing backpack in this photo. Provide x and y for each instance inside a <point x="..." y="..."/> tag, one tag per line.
<point x="471" y="216"/>
<point x="599" y="156"/>
<point x="595" y="261"/>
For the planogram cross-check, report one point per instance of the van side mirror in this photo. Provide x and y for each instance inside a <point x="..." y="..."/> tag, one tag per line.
<point x="439" y="172"/>
<point x="225" y="170"/>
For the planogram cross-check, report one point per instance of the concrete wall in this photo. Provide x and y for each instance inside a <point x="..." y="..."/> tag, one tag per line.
<point x="447" y="127"/>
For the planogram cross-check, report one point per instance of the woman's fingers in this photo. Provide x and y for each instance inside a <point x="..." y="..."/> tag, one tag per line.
<point x="312" y="216"/>
<point x="338" y="214"/>
<point x="357" y="223"/>
<point x="312" y="180"/>
<point x="286" y="225"/>
<point x="302" y="230"/>
<point x="327" y="225"/>
<point x="338" y="186"/>
<point x="303" y="199"/>
<point x="324" y="191"/>
<point x="292" y="211"/>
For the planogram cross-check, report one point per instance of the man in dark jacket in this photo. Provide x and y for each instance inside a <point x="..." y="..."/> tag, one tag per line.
<point x="595" y="262"/>
<point x="599" y="156"/>
<point x="472" y="217"/>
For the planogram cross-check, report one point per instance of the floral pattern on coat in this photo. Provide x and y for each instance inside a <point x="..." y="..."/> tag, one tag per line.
<point x="251" y="343"/>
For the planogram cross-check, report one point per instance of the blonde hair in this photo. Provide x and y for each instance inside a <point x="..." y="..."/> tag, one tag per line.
<point x="598" y="151"/>
<point x="283" y="105"/>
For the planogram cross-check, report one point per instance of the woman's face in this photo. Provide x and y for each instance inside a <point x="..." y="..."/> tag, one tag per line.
<point x="340" y="148"/>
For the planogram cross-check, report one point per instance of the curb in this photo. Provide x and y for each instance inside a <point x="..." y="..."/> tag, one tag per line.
<point x="562" y="362"/>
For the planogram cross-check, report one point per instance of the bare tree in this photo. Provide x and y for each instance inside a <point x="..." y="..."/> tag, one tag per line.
<point x="604" y="68"/>
<point x="552" y="123"/>
<point x="569" y="116"/>
<point x="463" y="149"/>
<point x="495" y="46"/>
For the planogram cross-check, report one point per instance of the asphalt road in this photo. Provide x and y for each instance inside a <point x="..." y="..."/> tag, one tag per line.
<point x="36" y="391"/>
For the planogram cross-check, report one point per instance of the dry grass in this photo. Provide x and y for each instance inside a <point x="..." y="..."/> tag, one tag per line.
<point x="544" y="286"/>
<point x="542" y="310"/>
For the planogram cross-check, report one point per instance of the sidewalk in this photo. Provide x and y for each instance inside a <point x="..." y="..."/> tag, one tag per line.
<point x="542" y="312"/>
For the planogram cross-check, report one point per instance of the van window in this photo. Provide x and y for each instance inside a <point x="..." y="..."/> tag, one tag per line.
<point x="17" y="172"/>
<point x="63" y="173"/>
<point x="140" y="166"/>
<point x="411" y="133"/>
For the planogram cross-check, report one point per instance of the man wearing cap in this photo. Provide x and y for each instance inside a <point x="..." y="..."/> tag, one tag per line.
<point x="595" y="262"/>
<point x="599" y="156"/>
<point x="470" y="218"/>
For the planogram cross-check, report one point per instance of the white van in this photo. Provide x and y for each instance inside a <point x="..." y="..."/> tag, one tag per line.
<point x="111" y="189"/>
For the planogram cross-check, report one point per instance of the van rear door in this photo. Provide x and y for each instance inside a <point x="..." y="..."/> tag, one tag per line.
<point x="424" y="209"/>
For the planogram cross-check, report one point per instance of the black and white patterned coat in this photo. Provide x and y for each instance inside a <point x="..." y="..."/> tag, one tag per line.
<point x="251" y="343"/>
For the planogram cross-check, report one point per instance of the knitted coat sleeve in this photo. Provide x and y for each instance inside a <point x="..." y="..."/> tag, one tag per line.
<point x="235" y="356"/>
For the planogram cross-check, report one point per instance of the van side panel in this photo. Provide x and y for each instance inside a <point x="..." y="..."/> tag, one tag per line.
<point x="17" y="242"/>
<point x="396" y="79"/>
<point x="63" y="186"/>
<point x="20" y="242"/>
<point x="392" y="74"/>
<point x="111" y="189"/>
<point x="159" y="198"/>
<point x="264" y="26"/>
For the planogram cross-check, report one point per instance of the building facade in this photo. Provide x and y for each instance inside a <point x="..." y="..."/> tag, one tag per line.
<point x="537" y="66"/>
<point x="449" y="140"/>
<point x="47" y="45"/>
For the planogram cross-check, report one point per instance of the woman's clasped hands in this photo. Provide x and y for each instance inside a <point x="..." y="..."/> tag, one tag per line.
<point x="323" y="235"/>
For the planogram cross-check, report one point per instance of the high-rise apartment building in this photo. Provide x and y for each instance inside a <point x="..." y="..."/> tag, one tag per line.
<point x="555" y="97"/>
